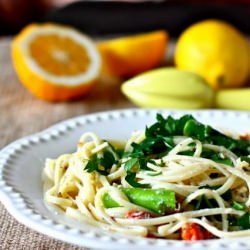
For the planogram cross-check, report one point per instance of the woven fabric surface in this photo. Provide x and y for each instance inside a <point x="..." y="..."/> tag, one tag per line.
<point x="22" y="114"/>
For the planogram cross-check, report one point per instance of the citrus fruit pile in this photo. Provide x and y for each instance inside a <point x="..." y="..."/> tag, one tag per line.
<point x="212" y="63"/>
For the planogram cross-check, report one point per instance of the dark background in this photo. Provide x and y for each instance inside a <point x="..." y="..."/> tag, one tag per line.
<point x="111" y="18"/>
<point x="101" y="18"/>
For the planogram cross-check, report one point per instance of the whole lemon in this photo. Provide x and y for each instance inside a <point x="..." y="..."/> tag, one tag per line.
<point x="215" y="50"/>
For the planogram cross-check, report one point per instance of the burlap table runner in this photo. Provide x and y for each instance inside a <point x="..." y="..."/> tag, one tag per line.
<point x="22" y="114"/>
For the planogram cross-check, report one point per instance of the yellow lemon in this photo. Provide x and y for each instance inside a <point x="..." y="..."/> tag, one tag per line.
<point x="215" y="50"/>
<point x="55" y="62"/>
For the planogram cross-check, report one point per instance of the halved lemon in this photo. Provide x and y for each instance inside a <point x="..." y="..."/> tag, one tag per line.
<point x="129" y="55"/>
<point x="55" y="62"/>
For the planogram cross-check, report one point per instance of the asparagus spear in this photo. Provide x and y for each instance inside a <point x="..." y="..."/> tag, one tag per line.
<point x="156" y="200"/>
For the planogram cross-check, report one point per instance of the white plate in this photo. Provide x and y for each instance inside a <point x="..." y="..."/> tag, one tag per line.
<point x="21" y="165"/>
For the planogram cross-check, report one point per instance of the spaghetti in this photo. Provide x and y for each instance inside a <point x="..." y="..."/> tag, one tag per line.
<point x="178" y="179"/>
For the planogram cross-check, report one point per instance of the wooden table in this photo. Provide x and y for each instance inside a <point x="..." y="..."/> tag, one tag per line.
<point x="22" y="114"/>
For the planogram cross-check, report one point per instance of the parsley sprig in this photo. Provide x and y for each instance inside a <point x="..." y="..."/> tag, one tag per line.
<point x="103" y="164"/>
<point x="159" y="141"/>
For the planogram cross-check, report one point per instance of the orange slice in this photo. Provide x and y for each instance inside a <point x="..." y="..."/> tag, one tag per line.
<point x="55" y="62"/>
<point x="128" y="56"/>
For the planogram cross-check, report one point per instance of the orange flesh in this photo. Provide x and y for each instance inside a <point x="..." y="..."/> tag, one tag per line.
<point x="59" y="55"/>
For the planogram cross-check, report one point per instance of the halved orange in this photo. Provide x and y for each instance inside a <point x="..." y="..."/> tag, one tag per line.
<point x="55" y="62"/>
<point x="130" y="55"/>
